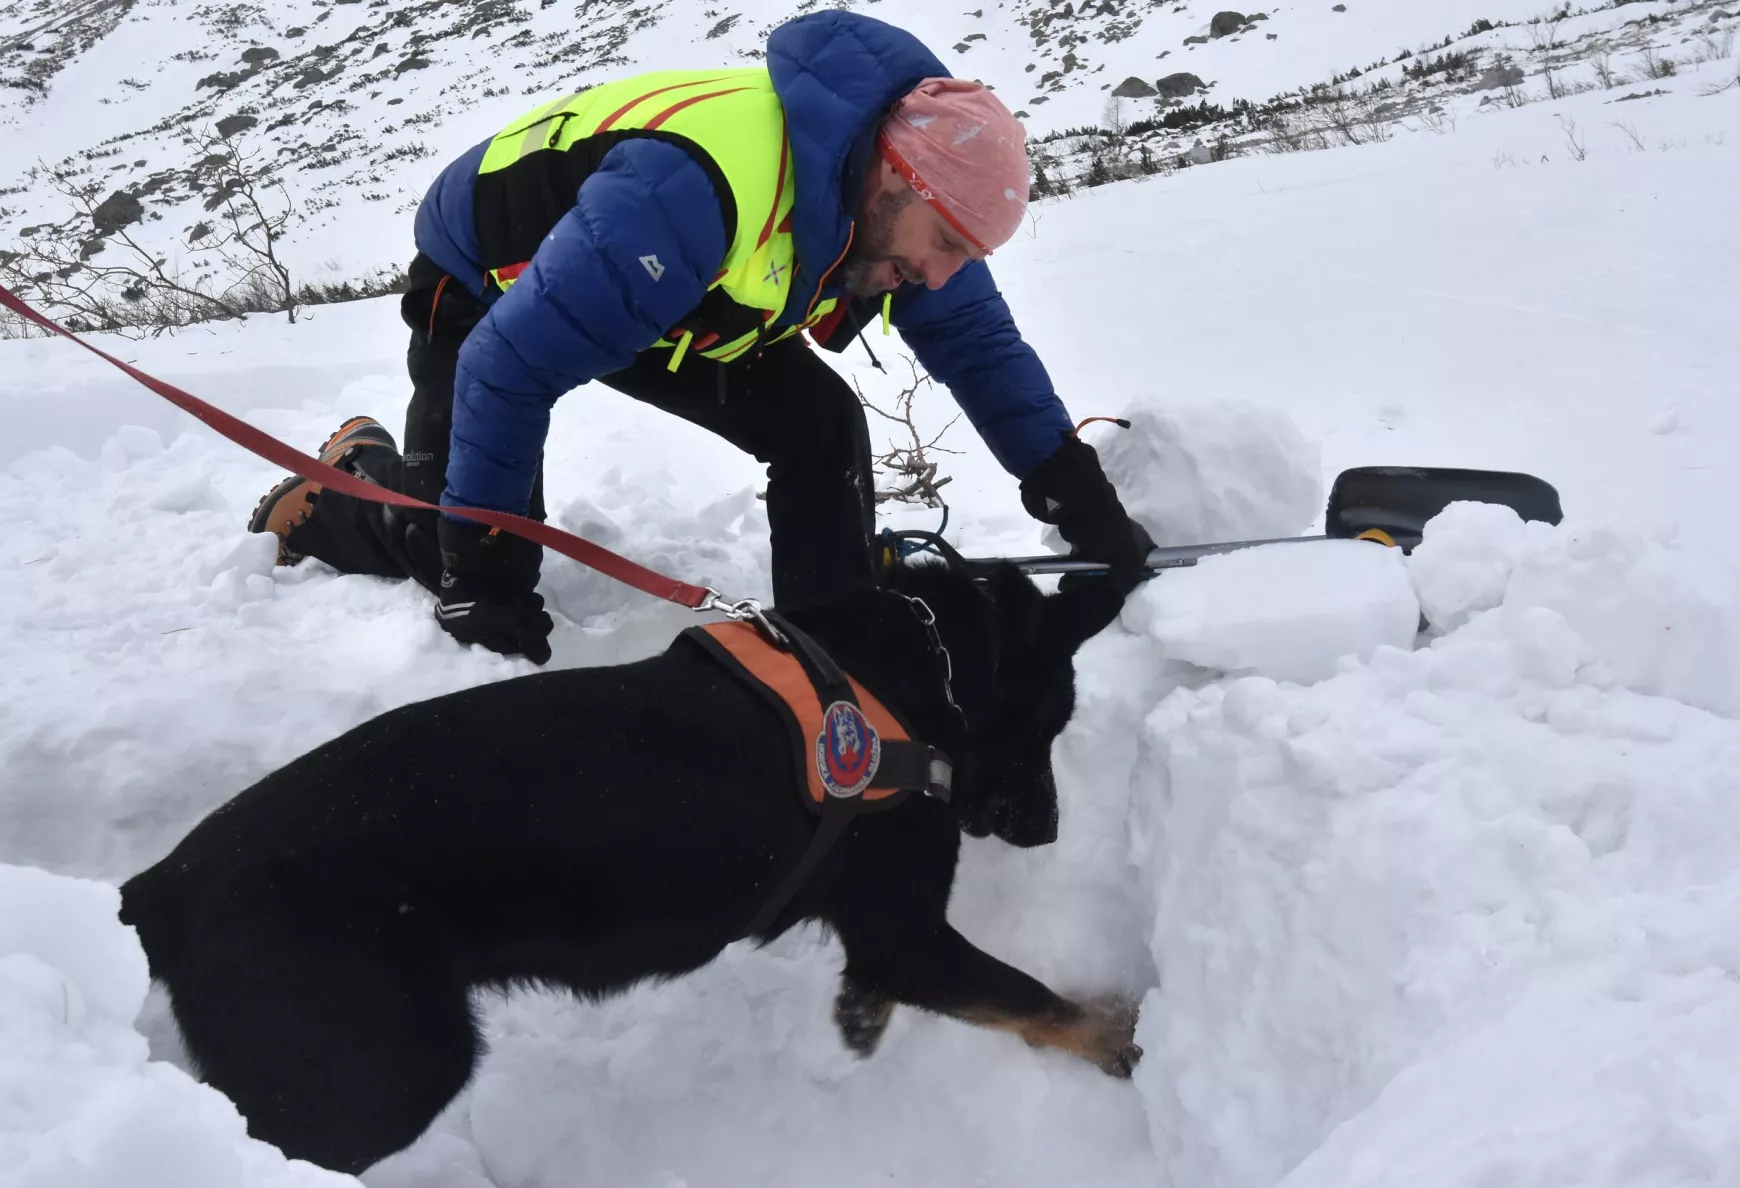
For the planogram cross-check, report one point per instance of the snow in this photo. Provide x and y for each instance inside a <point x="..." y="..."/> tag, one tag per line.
<point x="1665" y="619"/>
<point x="1441" y="909"/>
<point x="1464" y="564"/>
<point x="1457" y="915"/>
<point x="365" y="142"/>
<point x="85" y="1106"/>
<point x="1201" y="472"/>
<point x="1284" y="611"/>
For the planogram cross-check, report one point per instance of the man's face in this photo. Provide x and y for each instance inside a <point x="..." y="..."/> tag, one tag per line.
<point x="901" y="239"/>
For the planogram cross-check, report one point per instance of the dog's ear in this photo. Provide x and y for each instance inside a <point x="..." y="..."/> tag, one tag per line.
<point x="1020" y="607"/>
<point x="1055" y="627"/>
<point x="1080" y="611"/>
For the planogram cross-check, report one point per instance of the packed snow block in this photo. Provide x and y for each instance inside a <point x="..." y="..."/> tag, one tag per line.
<point x="1284" y="611"/>
<point x="1665" y="620"/>
<point x="1662" y="619"/>
<point x="1463" y="564"/>
<point x="61" y="923"/>
<point x="85" y="1107"/>
<point x="1426" y="1130"/>
<point x="1196" y="474"/>
<point x="1461" y="915"/>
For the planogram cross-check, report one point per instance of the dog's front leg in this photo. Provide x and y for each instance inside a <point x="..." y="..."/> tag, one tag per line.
<point x="862" y="1016"/>
<point x="943" y="972"/>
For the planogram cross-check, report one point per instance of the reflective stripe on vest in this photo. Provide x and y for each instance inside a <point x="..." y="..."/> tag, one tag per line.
<point x="735" y="118"/>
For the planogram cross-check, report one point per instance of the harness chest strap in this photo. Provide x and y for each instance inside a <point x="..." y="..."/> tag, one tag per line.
<point x="855" y="753"/>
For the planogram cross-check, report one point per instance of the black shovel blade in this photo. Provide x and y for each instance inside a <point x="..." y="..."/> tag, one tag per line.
<point x="1398" y="500"/>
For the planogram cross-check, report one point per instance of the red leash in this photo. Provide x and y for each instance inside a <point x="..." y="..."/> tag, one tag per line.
<point x="273" y="450"/>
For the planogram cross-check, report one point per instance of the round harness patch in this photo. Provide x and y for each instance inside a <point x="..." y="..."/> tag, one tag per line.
<point x="848" y="750"/>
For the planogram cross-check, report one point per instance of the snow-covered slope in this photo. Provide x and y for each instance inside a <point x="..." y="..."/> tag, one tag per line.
<point x="1449" y="911"/>
<point x="357" y="106"/>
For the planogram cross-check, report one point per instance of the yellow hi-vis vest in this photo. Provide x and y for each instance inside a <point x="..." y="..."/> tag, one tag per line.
<point x="734" y="118"/>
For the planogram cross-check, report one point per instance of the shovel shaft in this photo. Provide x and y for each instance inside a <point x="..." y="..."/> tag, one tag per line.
<point x="1173" y="557"/>
<point x="1390" y="504"/>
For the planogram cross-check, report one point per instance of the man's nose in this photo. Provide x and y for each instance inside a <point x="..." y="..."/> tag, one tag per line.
<point x="938" y="269"/>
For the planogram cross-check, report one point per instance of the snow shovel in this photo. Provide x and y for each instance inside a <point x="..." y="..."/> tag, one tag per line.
<point x="1388" y="504"/>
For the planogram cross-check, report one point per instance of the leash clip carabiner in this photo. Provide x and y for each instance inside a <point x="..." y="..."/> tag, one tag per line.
<point x="744" y="610"/>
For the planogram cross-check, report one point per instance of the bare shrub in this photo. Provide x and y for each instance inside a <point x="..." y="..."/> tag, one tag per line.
<point x="1356" y="118"/>
<point x="1293" y="133"/>
<point x="13" y="326"/>
<point x="1653" y="66"/>
<point x="1109" y="147"/>
<point x="231" y="267"/>
<point x="1631" y="134"/>
<point x="1714" y="46"/>
<point x="1048" y="176"/>
<point x="1440" y="121"/>
<point x="1574" y="141"/>
<point x="1717" y="90"/>
<point x="1033" y="220"/>
<point x="1605" y="75"/>
<point x="914" y="473"/>
<point x="1543" y="31"/>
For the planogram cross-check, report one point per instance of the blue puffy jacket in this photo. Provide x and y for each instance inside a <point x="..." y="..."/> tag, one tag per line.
<point x="584" y="307"/>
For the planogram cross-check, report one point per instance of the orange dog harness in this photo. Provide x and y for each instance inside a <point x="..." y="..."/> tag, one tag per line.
<point x="849" y="748"/>
<point x="854" y="753"/>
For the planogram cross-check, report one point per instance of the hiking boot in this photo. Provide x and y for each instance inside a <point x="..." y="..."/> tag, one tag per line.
<point x="291" y="502"/>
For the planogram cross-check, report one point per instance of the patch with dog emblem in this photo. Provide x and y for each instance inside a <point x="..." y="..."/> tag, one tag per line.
<point x="848" y="750"/>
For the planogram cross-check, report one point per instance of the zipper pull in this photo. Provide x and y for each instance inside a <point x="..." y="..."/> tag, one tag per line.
<point x="681" y="351"/>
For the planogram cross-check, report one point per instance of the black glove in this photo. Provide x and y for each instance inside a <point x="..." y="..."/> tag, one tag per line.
<point x="488" y="591"/>
<point x="1070" y="490"/>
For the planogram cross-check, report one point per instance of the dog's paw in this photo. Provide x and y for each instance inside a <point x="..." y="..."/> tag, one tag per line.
<point x="1108" y="1034"/>
<point x="862" y="1016"/>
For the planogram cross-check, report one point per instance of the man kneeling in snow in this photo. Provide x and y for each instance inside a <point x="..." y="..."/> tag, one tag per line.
<point x="669" y="235"/>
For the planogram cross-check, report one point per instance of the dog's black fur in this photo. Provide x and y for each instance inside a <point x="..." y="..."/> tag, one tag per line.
<point x="320" y="935"/>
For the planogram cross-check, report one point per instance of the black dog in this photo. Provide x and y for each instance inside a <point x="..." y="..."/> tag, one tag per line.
<point x="320" y="935"/>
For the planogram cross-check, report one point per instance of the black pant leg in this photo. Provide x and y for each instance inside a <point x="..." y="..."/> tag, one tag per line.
<point x="798" y="416"/>
<point x="356" y="536"/>
<point x="438" y="330"/>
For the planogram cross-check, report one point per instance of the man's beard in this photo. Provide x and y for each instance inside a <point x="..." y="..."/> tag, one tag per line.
<point x="873" y="243"/>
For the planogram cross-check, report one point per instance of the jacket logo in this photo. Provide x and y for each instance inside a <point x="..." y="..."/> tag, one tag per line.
<point x="772" y="276"/>
<point x="653" y="268"/>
